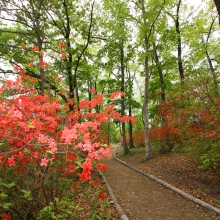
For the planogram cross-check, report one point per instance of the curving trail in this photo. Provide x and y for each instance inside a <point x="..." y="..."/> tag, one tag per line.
<point x="144" y="199"/>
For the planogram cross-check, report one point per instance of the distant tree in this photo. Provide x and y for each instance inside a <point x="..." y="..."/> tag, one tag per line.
<point x="147" y="28"/>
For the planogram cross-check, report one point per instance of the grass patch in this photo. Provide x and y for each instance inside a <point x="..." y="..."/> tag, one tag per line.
<point x="132" y="151"/>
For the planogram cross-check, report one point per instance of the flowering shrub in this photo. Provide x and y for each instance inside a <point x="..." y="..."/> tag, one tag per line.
<point x="138" y="138"/>
<point x="45" y="151"/>
<point x="191" y="126"/>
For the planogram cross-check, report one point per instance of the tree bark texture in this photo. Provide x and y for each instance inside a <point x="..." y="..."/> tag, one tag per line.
<point x="131" y="143"/>
<point x="162" y="83"/>
<point x="126" y="150"/>
<point x="146" y="95"/>
<point x="179" y="44"/>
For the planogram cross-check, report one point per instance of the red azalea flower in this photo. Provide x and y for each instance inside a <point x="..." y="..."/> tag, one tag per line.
<point x="35" y="48"/>
<point x="63" y="55"/>
<point x="102" y="195"/>
<point x="43" y="63"/>
<point x="92" y="90"/>
<point x="6" y="217"/>
<point x="95" y="183"/>
<point x="61" y="45"/>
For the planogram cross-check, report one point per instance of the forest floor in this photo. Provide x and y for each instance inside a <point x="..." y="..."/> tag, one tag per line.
<point x="88" y="204"/>
<point x="144" y="199"/>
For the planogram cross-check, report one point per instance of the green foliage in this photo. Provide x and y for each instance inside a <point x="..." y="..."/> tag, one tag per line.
<point x="65" y="209"/>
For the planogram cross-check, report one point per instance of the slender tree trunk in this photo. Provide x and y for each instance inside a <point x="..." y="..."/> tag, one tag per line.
<point x="125" y="147"/>
<point x="69" y="69"/>
<point x="82" y="53"/>
<point x="179" y="45"/>
<point x="39" y="34"/>
<point x="131" y="143"/>
<point x="214" y="76"/>
<point x="42" y="76"/>
<point x="162" y="83"/>
<point x="69" y="60"/>
<point x="145" y="109"/>
<point x="211" y="68"/>
<point x="129" y="95"/>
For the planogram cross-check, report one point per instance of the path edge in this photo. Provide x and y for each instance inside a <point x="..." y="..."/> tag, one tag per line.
<point x="167" y="185"/>
<point x="114" y="199"/>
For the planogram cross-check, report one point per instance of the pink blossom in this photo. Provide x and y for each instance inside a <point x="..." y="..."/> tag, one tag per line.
<point x="52" y="146"/>
<point x="44" y="162"/>
<point x="17" y="114"/>
<point x="42" y="139"/>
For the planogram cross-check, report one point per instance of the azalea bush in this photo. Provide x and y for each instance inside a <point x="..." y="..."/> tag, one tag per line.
<point x="45" y="150"/>
<point x="189" y="122"/>
<point x="138" y="138"/>
<point x="166" y="131"/>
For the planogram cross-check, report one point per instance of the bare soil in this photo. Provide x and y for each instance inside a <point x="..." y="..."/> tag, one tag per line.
<point x="144" y="199"/>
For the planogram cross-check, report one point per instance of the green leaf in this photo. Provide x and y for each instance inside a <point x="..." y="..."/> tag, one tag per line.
<point x="27" y="194"/>
<point x="78" y="208"/>
<point x="6" y="205"/>
<point x="56" y="199"/>
<point x="7" y="185"/>
<point x="49" y="152"/>
<point x="78" y="164"/>
<point x="3" y="194"/>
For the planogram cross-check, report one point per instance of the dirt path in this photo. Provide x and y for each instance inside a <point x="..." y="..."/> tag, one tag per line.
<point x="144" y="199"/>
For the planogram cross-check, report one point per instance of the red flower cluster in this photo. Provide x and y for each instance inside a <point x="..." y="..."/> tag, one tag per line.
<point x="6" y="217"/>
<point x="35" y="48"/>
<point x="102" y="195"/>
<point x="61" y="45"/>
<point x="97" y="100"/>
<point x="101" y="167"/>
<point x="115" y="95"/>
<point x="95" y="183"/>
<point x="43" y="64"/>
<point x="19" y="70"/>
<point x="63" y="55"/>
<point x="92" y="90"/>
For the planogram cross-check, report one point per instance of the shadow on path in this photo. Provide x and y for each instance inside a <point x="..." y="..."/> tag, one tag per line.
<point x="144" y="199"/>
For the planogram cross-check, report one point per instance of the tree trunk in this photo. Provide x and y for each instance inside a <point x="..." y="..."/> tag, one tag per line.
<point x="39" y="34"/>
<point x="129" y="95"/>
<point x="69" y="61"/>
<point x="217" y="4"/>
<point x="162" y="83"/>
<point x="145" y="110"/>
<point x="125" y="147"/>
<point x="41" y="81"/>
<point x="131" y="144"/>
<point x="214" y="76"/>
<point x="179" y="45"/>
